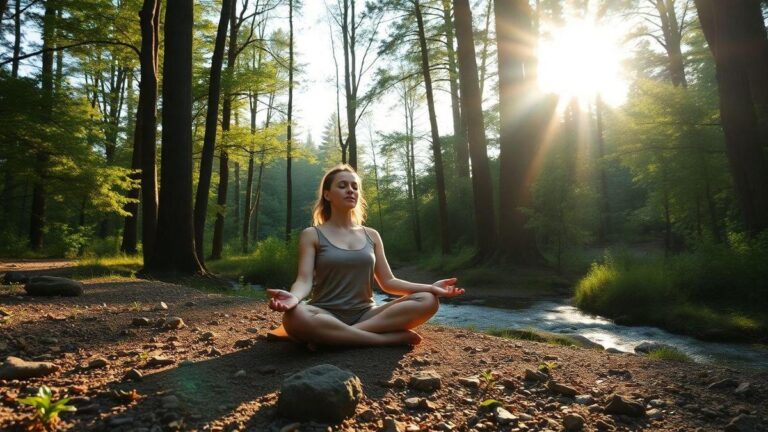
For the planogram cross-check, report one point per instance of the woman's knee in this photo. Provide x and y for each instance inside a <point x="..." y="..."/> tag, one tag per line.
<point x="429" y="301"/>
<point x="296" y="319"/>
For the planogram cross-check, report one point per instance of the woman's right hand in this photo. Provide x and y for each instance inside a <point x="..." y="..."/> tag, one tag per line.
<point x="281" y="300"/>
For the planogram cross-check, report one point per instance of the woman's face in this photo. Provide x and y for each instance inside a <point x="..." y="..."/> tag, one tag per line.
<point x="343" y="193"/>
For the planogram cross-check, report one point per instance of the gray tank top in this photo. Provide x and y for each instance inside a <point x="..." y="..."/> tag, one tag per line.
<point x="343" y="278"/>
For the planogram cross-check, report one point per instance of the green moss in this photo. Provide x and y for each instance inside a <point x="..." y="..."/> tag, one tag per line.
<point x="668" y="353"/>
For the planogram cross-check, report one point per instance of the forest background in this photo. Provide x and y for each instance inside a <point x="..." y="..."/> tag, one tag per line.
<point x="165" y="134"/>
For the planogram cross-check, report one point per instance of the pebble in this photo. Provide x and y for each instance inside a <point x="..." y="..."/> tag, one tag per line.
<point x="743" y="389"/>
<point x="412" y="403"/>
<point x="623" y="405"/>
<point x="173" y="323"/>
<point x="140" y="322"/>
<point x="573" y="422"/>
<point x="584" y="400"/>
<point x="98" y="363"/>
<point x="243" y="343"/>
<point x="561" y="389"/>
<point x="472" y="383"/>
<point x="214" y="352"/>
<point x="532" y="375"/>
<point x="390" y="425"/>
<point x="160" y="361"/>
<point x="133" y="375"/>
<point x="170" y="402"/>
<point x="239" y="374"/>
<point x="427" y="380"/>
<point x="503" y="416"/>
<point x="654" y="413"/>
<point x="209" y="335"/>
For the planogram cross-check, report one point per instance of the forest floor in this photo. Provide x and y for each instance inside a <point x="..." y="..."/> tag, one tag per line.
<point x="223" y="374"/>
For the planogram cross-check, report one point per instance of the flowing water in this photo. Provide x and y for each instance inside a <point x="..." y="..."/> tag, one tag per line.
<point x="560" y="317"/>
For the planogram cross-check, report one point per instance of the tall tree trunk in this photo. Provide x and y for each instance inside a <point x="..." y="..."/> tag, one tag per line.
<point x="175" y="246"/>
<point x="724" y="28"/>
<point x="518" y="138"/>
<point x="211" y="126"/>
<point x="376" y="182"/>
<point x="147" y="124"/>
<point x="217" y="245"/>
<point x="461" y="151"/>
<point x="16" y="39"/>
<point x="288" y="139"/>
<point x="757" y="46"/>
<point x="604" y="230"/>
<point x="236" y="194"/>
<point x="348" y="30"/>
<point x="482" y="189"/>
<point x="42" y="157"/>
<point x="3" y="6"/>
<point x="484" y="51"/>
<point x="130" y="224"/>
<point x="253" y="102"/>
<point x="437" y="154"/>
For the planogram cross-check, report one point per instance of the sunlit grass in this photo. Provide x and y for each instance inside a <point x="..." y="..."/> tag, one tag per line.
<point x="116" y="266"/>
<point x="669" y="353"/>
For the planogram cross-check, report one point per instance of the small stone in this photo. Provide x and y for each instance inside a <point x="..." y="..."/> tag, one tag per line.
<point x="293" y="427"/>
<point x="16" y="368"/>
<point x="368" y="415"/>
<point x="209" y="335"/>
<point x="584" y="400"/>
<point x="603" y="425"/>
<point x="133" y="375"/>
<point x="532" y="375"/>
<point x="622" y="405"/>
<point x="163" y="306"/>
<point x="173" y="323"/>
<point x="98" y="363"/>
<point x="190" y="304"/>
<point x="214" y="352"/>
<point x="726" y="383"/>
<point x="243" y="343"/>
<point x="427" y="380"/>
<point x="503" y="416"/>
<point x="412" y="403"/>
<point x="445" y="426"/>
<point x="253" y="330"/>
<point x="170" y="402"/>
<point x="390" y="425"/>
<point x="140" y="322"/>
<point x="654" y="413"/>
<point x="239" y="374"/>
<point x="573" y="422"/>
<point x="472" y="383"/>
<point x="561" y="389"/>
<point x="743" y="389"/>
<point x="160" y="361"/>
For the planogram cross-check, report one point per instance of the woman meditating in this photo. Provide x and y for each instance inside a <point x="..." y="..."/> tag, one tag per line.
<point x="338" y="259"/>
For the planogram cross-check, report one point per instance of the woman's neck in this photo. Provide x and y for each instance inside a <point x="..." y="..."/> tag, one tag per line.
<point x="341" y="219"/>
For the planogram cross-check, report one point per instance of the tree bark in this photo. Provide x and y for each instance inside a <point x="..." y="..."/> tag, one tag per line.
<point x="42" y="157"/>
<point x="473" y="111"/>
<point x="175" y="246"/>
<point x="129" y="245"/>
<point x="226" y="116"/>
<point x="437" y="154"/>
<point x="211" y="126"/>
<point x="16" y="39"/>
<point x="288" y="177"/>
<point x="725" y="29"/>
<point x="671" y="30"/>
<point x="350" y="86"/>
<point x="520" y="129"/>
<point x="461" y="151"/>
<point x="146" y="123"/>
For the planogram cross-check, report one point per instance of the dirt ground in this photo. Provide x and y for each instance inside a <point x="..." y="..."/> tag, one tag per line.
<point x="224" y="375"/>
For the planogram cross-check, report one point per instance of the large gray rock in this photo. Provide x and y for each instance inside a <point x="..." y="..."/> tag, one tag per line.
<point x="15" y="368"/>
<point x="53" y="286"/>
<point x="13" y="277"/>
<point x="322" y="393"/>
<point x="744" y="423"/>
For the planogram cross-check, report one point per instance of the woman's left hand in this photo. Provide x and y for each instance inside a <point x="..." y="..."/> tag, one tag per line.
<point x="446" y="288"/>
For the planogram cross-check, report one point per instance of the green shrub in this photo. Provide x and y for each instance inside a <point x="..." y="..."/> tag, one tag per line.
<point x="668" y="353"/>
<point x="273" y="264"/>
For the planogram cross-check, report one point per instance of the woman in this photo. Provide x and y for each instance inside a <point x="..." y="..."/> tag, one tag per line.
<point x="338" y="259"/>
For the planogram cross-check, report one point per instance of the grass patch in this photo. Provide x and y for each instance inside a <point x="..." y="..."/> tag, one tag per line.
<point x="669" y="353"/>
<point x="273" y="264"/>
<point x="713" y="293"/>
<point x="108" y="266"/>
<point x="537" y="336"/>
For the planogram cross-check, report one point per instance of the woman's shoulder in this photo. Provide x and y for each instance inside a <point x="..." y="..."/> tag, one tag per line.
<point x="309" y="234"/>
<point x="371" y="233"/>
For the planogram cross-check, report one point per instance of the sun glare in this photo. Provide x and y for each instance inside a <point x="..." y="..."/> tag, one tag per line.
<point x="581" y="60"/>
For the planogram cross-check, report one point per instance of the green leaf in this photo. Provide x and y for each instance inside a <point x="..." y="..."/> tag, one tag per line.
<point x="490" y="404"/>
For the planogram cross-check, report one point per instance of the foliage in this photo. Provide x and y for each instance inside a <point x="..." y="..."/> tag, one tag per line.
<point x="46" y="409"/>
<point x="714" y="292"/>
<point x="272" y="264"/>
<point x="669" y="353"/>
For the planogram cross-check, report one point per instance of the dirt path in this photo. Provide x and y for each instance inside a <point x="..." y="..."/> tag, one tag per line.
<point x="224" y="375"/>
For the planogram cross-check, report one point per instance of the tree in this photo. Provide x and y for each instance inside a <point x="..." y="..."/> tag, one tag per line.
<point x="459" y="126"/>
<point x="175" y="246"/>
<point x="211" y="126"/>
<point x="289" y="137"/>
<point x="726" y="27"/>
<point x="473" y="113"/>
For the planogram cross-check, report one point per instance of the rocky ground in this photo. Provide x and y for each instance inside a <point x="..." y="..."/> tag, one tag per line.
<point x="137" y="355"/>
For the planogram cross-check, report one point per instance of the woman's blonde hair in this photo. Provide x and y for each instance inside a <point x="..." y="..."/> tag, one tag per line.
<point x="322" y="210"/>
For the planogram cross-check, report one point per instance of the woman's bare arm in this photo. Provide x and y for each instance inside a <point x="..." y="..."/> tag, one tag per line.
<point x="282" y="300"/>
<point x="392" y="285"/>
